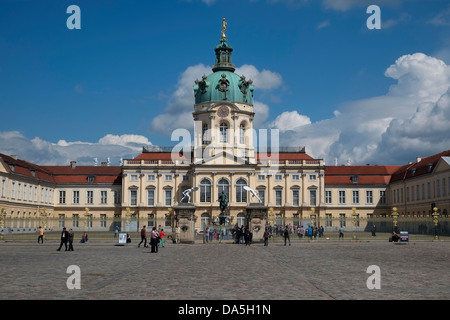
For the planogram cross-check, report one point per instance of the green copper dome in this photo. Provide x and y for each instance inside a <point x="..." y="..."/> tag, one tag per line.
<point x="223" y="84"/>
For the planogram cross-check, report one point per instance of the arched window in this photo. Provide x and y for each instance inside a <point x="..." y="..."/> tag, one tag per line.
<point x="241" y="193"/>
<point x="241" y="220"/>
<point x="205" y="190"/>
<point x="242" y="133"/>
<point x="224" y="185"/>
<point x="223" y="132"/>
<point x="205" y="134"/>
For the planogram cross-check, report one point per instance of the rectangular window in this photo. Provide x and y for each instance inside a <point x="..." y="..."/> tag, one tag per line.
<point x="262" y="195"/>
<point x="76" y="197"/>
<point x="117" y="197"/>
<point x="3" y="187"/>
<point x="369" y="197"/>
<point x="341" y="197"/>
<point x="328" y="199"/>
<point x="168" y="197"/>
<point x="278" y="197"/>
<point x="151" y="197"/>
<point x="103" y="220"/>
<point x="261" y="177"/>
<point x="150" y="220"/>
<point x="342" y="220"/>
<point x="150" y="177"/>
<point x="328" y="220"/>
<point x="295" y="197"/>
<point x="61" y="220"/>
<point x="103" y="197"/>
<point x="133" y="177"/>
<point x="75" y="220"/>
<point x="295" y="177"/>
<point x="383" y="197"/>
<point x="62" y="197"/>
<point x="168" y="177"/>
<point x="312" y="177"/>
<point x="90" y="197"/>
<point x="312" y="197"/>
<point x="133" y="197"/>
<point x="278" y="177"/>
<point x="355" y="196"/>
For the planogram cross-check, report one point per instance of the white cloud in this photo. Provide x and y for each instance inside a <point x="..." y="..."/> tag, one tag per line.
<point x="323" y="25"/>
<point x="441" y="19"/>
<point x="262" y="80"/>
<point x="411" y="120"/>
<point x="289" y="120"/>
<point x="43" y="152"/>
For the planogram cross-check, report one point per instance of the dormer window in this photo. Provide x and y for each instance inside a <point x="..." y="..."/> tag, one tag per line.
<point x="91" y="179"/>
<point x="354" y="179"/>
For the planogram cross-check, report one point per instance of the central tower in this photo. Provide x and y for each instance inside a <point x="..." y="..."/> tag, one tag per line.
<point x="223" y="112"/>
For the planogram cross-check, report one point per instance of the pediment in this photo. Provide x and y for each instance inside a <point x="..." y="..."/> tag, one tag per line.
<point x="223" y="158"/>
<point x="442" y="165"/>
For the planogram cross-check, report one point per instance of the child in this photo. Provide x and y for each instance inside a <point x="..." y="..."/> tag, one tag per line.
<point x="161" y="235"/>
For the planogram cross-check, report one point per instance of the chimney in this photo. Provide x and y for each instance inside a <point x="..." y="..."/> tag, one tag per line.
<point x="418" y="159"/>
<point x="73" y="164"/>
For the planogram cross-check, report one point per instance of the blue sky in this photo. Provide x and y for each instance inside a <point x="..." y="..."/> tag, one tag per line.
<point x="327" y="82"/>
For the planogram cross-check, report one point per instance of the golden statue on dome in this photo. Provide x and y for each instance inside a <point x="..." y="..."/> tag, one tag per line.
<point x="224" y="27"/>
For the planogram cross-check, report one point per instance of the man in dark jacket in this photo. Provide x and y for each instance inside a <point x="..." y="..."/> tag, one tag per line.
<point x="64" y="239"/>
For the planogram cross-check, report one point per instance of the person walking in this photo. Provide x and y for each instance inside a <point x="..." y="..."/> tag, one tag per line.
<point x="206" y="236"/>
<point x="154" y="240"/>
<point x="373" y="230"/>
<point x="116" y="231"/>
<point x="71" y="239"/>
<point x="41" y="235"/>
<point x="266" y="237"/>
<point x="341" y="233"/>
<point x="161" y="237"/>
<point x="64" y="239"/>
<point x="286" y="235"/>
<point x="143" y="237"/>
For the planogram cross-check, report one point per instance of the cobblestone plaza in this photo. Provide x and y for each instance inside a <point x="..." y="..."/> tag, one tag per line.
<point x="316" y="270"/>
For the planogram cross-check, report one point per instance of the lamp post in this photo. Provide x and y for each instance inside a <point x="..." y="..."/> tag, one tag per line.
<point x="394" y="218"/>
<point x="86" y="219"/>
<point x="127" y="218"/>
<point x="313" y="219"/>
<point x="436" y="222"/>
<point x="44" y="218"/>
<point x="354" y="215"/>
<point x="2" y="221"/>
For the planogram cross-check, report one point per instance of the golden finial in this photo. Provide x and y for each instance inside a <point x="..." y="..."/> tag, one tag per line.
<point x="224" y="27"/>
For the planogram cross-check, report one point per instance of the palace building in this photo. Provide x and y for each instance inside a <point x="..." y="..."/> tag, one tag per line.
<point x="291" y="186"/>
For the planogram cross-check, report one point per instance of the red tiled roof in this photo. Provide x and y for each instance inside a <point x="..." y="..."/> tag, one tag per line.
<point x="284" y="156"/>
<point x="366" y="174"/>
<point x="424" y="166"/>
<point x="158" y="156"/>
<point x="26" y="169"/>
<point x="80" y="174"/>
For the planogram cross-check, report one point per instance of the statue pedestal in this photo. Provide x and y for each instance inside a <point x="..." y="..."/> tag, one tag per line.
<point x="184" y="213"/>
<point x="257" y="215"/>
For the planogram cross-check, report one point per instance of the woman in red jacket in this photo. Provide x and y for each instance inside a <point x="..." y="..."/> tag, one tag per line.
<point x="161" y="235"/>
